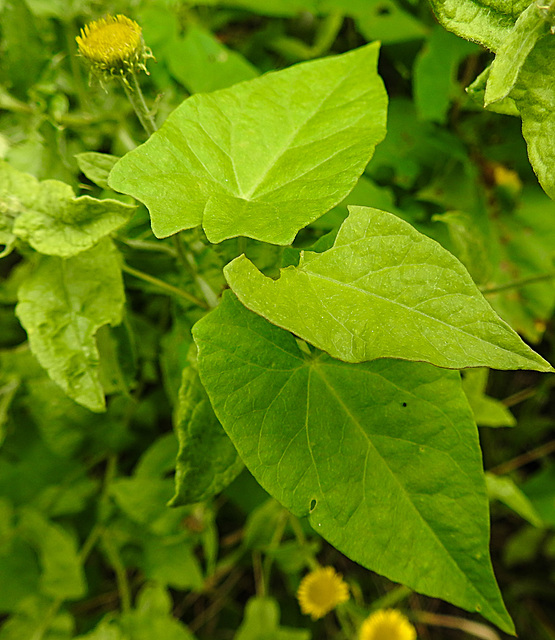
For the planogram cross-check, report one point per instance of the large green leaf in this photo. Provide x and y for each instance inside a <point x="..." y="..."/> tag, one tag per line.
<point x="520" y="64"/>
<point x="207" y="460"/>
<point x="534" y="95"/>
<point x="61" y="306"/>
<point x="512" y="54"/>
<point x="50" y="218"/>
<point x="482" y="21"/>
<point x="382" y="457"/>
<point x="384" y="290"/>
<point x="263" y="158"/>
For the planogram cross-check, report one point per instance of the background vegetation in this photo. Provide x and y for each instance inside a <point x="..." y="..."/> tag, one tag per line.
<point x="88" y="547"/>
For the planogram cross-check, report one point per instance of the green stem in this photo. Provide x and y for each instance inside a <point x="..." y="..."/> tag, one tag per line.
<point x="242" y="245"/>
<point x="145" y="245"/>
<point x="164" y="285"/>
<point x="301" y="539"/>
<point x="328" y="31"/>
<point x="295" y="49"/>
<point x="82" y="94"/>
<point x="274" y="544"/>
<point x="516" y="284"/>
<point x="346" y="622"/>
<point x="137" y="100"/>
<point x="391" y="598"/>
<point x="120" y="571"/>
<point x="47" y="619"/>
<point x="188" y="261"/>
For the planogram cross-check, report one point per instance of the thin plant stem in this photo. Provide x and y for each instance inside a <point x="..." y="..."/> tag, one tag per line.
<point x="517" y="284"/>
<point x="242" y="245"/>
<point x="82" y="94"/>
<point x="114" y="557"/>
<point x="274" y="544"/>
<point x="525" y="458"/>
<point x="145" y="245"/>
<point x="136" y="98"/>
<point x="164" y="285"/>
<point x="188" y="261"/>
<point x="520" y="396"/>
<point x="218" y="603"/>
<point x="301" y="539"/>
<point x="346" y="621"/>
<point x="476" y="629"/>
<point x="391" y="598"/>
<point x="47" y="619"/>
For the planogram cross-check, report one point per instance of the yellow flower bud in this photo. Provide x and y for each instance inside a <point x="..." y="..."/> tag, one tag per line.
<point x="114" y="46"/>
<point x="321" y="591"/>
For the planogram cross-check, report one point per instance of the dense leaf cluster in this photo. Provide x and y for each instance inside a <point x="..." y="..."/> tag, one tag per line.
<point x="296" y="287"/>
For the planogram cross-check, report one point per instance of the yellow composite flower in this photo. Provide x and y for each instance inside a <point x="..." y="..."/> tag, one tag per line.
<point x="113" y="46"/>
<point x="321" y="591"/>
<point x="387" y="624"/>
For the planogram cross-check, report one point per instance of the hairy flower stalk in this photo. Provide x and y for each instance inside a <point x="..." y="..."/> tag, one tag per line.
<point x="114" y="48"/>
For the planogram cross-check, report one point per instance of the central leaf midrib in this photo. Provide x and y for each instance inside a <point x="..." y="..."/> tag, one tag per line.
<point x="73" y="324"/>
<point x="401" y="487"/>
<point x="413" y="310"/>
<point x="287" y="143"/>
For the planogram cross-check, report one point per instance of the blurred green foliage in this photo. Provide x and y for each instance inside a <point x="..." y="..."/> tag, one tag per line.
<point x="88" y="547"/>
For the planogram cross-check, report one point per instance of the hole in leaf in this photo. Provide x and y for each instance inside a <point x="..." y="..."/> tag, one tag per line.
<point x="383" y="10"/>
<point x="404" y="404"/>
<point x="313" y="504"/>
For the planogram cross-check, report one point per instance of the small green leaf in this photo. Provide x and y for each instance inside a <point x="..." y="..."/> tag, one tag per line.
<point x="385" y="291"/>
<point x="142" y="499"/>
<point x="62" y="572"/>
<point x="171" y="563"/>
<point x="488" y="22"/>
<point x="202" y="64"/>
<point x="151" y="619"/>
<point x="61" y="306"/>
<point x="18" y="563"/>
<point x="261" y="622"/>
<point x="512" y="54"/>
<point x="96" y="166"/>
<point x="504" y="489"/>
<point x="534" y="95"/>
<point x="50" y="218"/>
<point x="383" y="20"/>
<point x="382" y="457"/>
<point x="264" y="158"/>
<point x="487" y="411"/>
<point x="540" y="490"/>
<point x="435" y="71"/>
<point x="207" y="461"/>
<point x="477" y="91"/>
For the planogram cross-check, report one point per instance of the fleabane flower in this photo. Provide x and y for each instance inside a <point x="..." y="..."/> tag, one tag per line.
<point x="387" y="624"/>
<point x="114" y="46"/>
<point x="321" y="591"/>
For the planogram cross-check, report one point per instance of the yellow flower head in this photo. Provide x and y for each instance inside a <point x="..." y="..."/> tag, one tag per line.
<point x="387" y="624"/>
<point x="113" y="46"/>
<point x="321" y="591"/>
